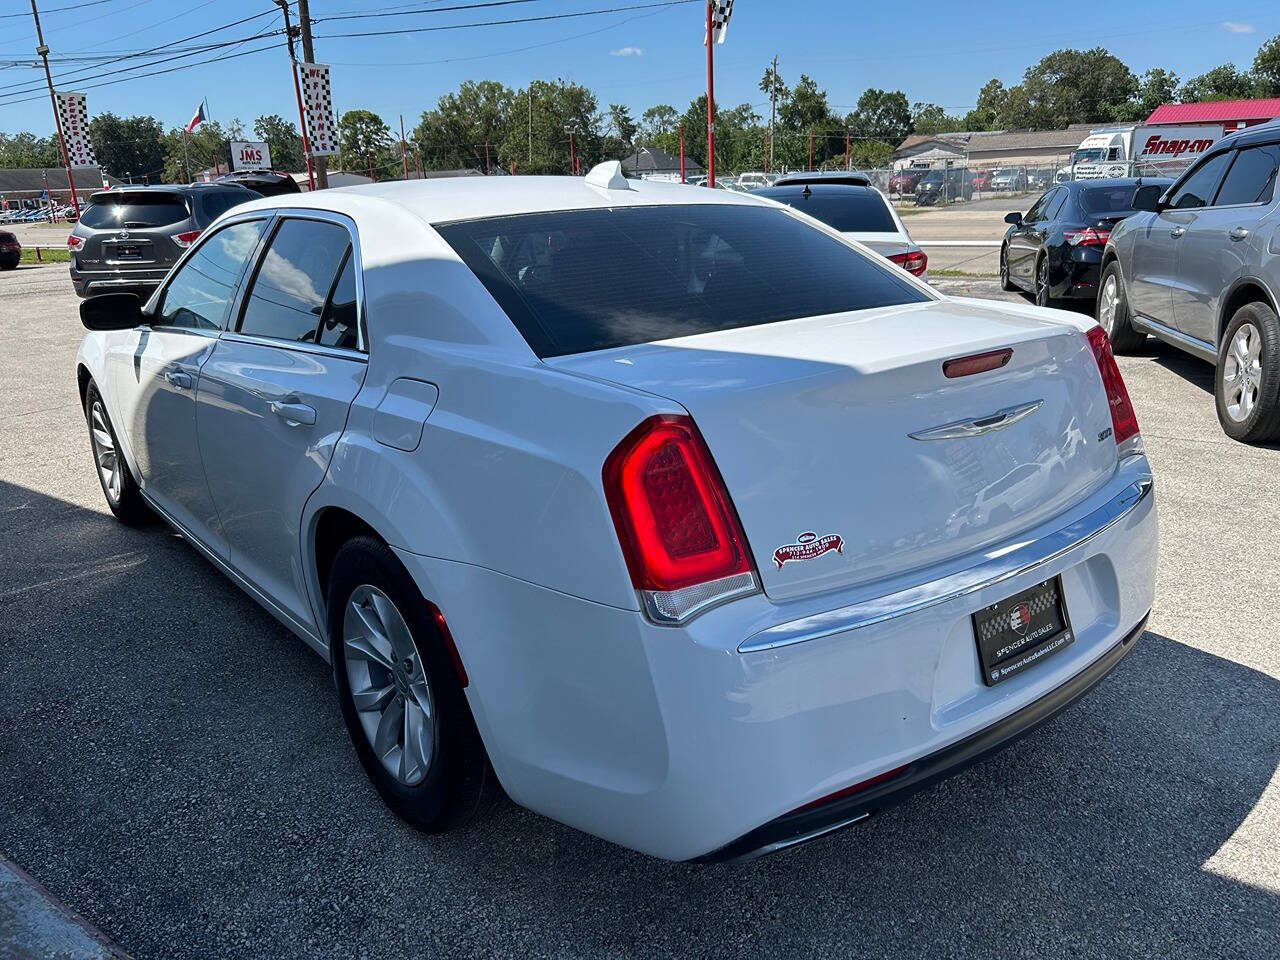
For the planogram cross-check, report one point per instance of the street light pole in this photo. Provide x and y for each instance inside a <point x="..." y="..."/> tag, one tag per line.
<point x="309" y="55"/>
<point x="297" y="92"/>
<point x="53" y="102"/>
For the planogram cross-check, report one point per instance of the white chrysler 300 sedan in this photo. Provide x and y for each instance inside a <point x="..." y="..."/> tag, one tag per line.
<point x="695" y="524"/>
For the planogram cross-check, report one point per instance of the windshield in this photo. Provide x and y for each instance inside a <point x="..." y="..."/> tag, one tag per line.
<point x="849" y="211"/>
<point x="579" y="280"/>
<point x="1092" y="155"/>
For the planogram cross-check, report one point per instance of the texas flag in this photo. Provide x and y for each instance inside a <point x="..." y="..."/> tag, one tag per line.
<point x="197" y="119"/>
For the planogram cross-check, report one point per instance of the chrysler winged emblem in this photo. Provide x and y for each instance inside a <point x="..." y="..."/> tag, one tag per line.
<point x="976" y="426"/>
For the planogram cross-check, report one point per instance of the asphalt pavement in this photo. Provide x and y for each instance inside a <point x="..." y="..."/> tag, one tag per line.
<point x="173" y="766"/>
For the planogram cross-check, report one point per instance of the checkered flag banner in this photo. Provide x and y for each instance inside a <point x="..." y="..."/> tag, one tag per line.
<point x="721" y="11"/>
<point x="317" y="103"/>
<point x="73" y="114"/>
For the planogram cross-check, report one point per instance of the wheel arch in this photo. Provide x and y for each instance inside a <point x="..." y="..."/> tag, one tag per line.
<point x="331" y="527"/>
<point x="83" y="376"/>
<point x="1246" y="290"/>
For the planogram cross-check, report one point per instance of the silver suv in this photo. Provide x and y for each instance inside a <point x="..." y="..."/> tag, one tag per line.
<point x="1202" y="271"/>
<point x="128" y="238"/>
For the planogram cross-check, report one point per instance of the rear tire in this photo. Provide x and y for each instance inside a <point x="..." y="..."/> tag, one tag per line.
<point x="1006" y="283"/>
<point x="1247" y="380"/>
<point x="118" y="486"/>
<point x="1112" y="311"/>
<point x="412" y="729"/>
<point x="1041" y="286"/>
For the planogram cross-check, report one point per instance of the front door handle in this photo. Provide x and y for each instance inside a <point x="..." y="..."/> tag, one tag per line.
<point x="294" y="414"/>
<point x="1176" y="232"/>
<point x="1238" y="233"/>
<point x="180" y="379"/>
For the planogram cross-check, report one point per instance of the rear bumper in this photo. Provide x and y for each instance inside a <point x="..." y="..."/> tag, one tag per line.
<point x="694" y="742"/>
<point x="802" y="826"/>
<point x="1080" y="272"/>
<point x="142" y="282"/>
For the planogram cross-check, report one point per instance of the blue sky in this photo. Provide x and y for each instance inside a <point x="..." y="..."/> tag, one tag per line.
<point x="934" y="51"/>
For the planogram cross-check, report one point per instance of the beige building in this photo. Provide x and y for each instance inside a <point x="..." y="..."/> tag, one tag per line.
<point x="1032" y="148"/>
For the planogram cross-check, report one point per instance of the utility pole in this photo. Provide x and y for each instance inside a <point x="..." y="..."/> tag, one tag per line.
<point x="711" y="104"/>
<point x="773" y="106"/>
<point x="53" y="102"/>
<point x="297" y="91"/>
<point x="309" y="55"/>
<point x="530" y="126"/>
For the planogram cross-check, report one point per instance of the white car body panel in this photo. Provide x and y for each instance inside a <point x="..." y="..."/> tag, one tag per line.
<point x="670" y="740"/>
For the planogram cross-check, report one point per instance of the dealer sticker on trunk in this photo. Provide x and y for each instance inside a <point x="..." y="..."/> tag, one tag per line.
<point x="807" y="546"/>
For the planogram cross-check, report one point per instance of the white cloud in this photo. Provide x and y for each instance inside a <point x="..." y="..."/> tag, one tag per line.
<point x="634" y="52"/>
<point x="1234" y="27"/>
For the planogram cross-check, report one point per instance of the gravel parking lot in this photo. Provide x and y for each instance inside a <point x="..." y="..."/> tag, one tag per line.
<point x="173" y="765"/>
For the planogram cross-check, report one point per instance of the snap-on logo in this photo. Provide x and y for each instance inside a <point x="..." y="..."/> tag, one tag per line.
<point x="807" y="546"/>
<point x="1158" y="144"/>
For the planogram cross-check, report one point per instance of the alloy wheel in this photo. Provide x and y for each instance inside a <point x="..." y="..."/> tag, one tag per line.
<point x="1242" y="372"/>
<point x="389" y="685"/>
<point x="1042" y="282"/>
<point x="104" y="452"/>
<point x="1004" y="266"/>
<point x="1107" y="304"/>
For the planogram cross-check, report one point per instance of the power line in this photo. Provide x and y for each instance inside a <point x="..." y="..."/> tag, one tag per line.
<point x="48" y="10"/>
<point x="495" y="23"/>
<point x="405" y="13"/>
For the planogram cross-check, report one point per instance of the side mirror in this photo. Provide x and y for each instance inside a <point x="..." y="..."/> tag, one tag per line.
<point x="1163" y="203"/>
<point x="1013" y="218"/>
<point x="111" y="311"/>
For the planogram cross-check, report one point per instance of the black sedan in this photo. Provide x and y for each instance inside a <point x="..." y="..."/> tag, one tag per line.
<point x="1053" y="251"/>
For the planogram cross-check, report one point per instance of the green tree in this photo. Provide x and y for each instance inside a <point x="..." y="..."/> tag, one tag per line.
<point x="622" y="126"/>
<point x="453" y="135"/>
<point x="931" y="118"/>
<point x="1156" y="86"/>
<point x="658" y="121"/>
<point x="1220" y="83"/>
<point x="1069" y="86"/>
<point x="363" y="136"/>
<point x="883" y="115"/>
<point x="1266" y="68"/>
<point x="132" y="146"/>
<point x="202" y="149"/>
<point x="283" y="139"/>
<point x="27" y="150"/>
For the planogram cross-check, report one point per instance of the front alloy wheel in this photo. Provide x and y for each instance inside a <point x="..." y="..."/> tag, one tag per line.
<point x="1242" y="372"/>
<point x="105" y="454"/>
<point x="1042" y="283"/>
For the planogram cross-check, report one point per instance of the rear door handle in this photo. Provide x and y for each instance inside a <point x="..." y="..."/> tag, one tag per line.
<point x="294" y="414"/>
<point x="1238" y="233"/>
<point x="180" y="379"/>
<point x="1176" y="232"/>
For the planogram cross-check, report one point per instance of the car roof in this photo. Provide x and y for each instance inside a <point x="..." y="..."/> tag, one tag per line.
<point x="164" y="188"/>
<point x="446" y="199"/>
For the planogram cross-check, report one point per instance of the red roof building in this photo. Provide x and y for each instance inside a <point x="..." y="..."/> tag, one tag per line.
<point x="1232" y="114"/>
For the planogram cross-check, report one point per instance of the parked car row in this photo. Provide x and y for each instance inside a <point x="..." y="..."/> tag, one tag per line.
<point x="677" y="514"/>
<point x="1192" y="262"/>
<point x="37" y="214"/>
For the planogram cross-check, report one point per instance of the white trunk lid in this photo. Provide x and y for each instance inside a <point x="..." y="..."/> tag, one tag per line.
<point x="809" y="423"/>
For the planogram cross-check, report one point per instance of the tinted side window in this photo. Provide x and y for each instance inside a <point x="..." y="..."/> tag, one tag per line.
<point x="338" y="328"/>
<point x="214" y="203"/>
<point x="1198" y="189"/>
<point x="202" y="289"/>
<point x="1252" y="178"/>
<point x="1055" y="207"/>
<point x="1038" y="208"/>
<point x="291" y="287"/>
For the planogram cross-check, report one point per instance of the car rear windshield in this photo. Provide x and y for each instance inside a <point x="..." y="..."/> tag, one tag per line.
<point x="849" y="211"/>
<point x="121" y="209"/>
<point x="1106" y="199"/>
<point x="580" y="280"/>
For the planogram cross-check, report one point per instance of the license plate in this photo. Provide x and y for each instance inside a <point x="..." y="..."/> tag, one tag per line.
<point x="128" y="252"/>
<point x="1020" y="631"/>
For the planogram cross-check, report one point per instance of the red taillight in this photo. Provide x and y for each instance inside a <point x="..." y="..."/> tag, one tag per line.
<point x="74" y="242"/>
<point x="856" y="788"/>
<point x="1124" y="422"/>
<point x="186" y="239"/>
<point x="675" y="522"/>
<point x="1088" y="237"/>
<point x="914" y="262"/>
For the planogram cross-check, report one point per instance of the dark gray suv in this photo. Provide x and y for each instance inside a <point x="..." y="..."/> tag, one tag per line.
<point x="1202" y="272"/>
<point x="129" y="237"/>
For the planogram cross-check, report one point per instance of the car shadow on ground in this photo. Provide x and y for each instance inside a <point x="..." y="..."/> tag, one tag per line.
<point x="175" y="767"/>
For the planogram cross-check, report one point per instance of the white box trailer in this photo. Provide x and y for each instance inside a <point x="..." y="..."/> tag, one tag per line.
<point x="1140" y="150"/>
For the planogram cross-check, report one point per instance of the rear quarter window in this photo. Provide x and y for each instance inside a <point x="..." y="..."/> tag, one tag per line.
<point x="214" y="203"/>
<point x="123" y="209"/>
<point x="581" y="280"/>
